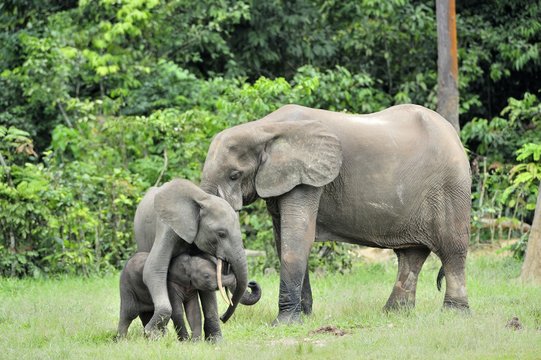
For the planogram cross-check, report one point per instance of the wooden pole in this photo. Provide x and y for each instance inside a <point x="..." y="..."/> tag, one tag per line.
<point x="531" y="269"/>
<point x="447" y="62"/>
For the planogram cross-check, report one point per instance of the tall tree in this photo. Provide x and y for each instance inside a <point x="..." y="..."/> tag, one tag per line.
<point x="447" y="61"/>
<point x="531" y="270"/>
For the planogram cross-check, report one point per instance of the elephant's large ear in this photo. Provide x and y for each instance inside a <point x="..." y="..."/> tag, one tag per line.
<point x="298" y="152"/>
<point x="177" y="204"/>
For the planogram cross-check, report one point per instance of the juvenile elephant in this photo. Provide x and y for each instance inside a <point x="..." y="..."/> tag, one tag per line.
<point x="177" y="218"/>
<point x="398" y="179"/>
<point x="186" y="275"/>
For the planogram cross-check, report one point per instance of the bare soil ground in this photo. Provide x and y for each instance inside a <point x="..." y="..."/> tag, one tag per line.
<point x="375" y="255"/>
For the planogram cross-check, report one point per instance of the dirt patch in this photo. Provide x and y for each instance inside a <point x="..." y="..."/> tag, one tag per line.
<point x="285" y="342"/>
<point x="514" y="324"/>
<point x="373" y="255"/>
<point x="310" y="340"/>
<point x="329" y="329"/>
<point x="377" y="255"/>
<point x="307" y="340"/>
<point x="498" y="247"/>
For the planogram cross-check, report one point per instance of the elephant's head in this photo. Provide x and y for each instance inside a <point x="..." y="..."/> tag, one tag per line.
<point x="207" y="221"/>
<point x="202" y="275"/>
<point x="269" y="157"/>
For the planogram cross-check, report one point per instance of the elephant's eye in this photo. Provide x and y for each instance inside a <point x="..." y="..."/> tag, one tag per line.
<point x="235" y="175"/>
<point x="222" y="234"/>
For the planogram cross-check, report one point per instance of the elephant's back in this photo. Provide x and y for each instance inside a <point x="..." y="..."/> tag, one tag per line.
<point x="131" y="277"/>
<point x="132" y="285"/>
<point x="399" y="139"/>
<point x="393" y="161"/>
<point x="144" y="225"/>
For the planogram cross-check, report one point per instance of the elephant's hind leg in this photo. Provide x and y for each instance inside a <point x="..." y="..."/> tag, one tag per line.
<point x="128" y="310"/>
<point x="193" y="315"/>
<point x="454" y="267"/>
<point x="454" y="238"/>
<point x="127" y="315"/>
<point x="178" y="321"/>
<point x="410" y="262"/>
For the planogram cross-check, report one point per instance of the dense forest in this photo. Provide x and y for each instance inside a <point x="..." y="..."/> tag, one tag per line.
<point x="102" y="99"/>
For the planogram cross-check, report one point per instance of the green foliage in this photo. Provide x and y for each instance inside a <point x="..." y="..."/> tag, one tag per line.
<point x="120" y="95"/>
<point x="79" y="201"/>
<point x="509" y="150"/>
<point x="63" y="216"/>
<point x="500" y="43"/>
<point x="525" y="177"/>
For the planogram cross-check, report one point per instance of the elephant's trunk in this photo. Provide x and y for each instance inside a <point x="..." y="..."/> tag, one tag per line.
<point x="252" y="294"/>
<point x="240" y="269"/>
<point x="250" y="298"/>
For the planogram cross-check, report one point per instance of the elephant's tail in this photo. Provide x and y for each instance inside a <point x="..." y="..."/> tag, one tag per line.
<point x="441" y="275"/>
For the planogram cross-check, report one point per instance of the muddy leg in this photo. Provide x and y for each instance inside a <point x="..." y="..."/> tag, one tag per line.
<point x="410" y="262"/>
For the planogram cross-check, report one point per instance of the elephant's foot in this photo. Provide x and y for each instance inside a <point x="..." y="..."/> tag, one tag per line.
<point x="155" y="334"/>
<point x="287" y="318"/>
<point x="157" y="326"/>
<point x="395" y="306"/>
<point x="457" y="304"/>
<point x="213" y="333"/>
<point x="400" y="299"/>
<point x="183" y="336"/>
<point x="214" y="338"/>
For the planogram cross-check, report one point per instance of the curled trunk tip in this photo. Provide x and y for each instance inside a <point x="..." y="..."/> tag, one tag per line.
<point x="253" y="296"/>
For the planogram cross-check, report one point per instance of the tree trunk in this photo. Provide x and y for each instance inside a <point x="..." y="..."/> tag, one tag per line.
<point x="531" y="269"/>
<point x="447" y="62"/>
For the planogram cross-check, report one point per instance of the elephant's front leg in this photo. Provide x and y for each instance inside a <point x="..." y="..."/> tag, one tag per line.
<point x="298" y="213"/>
<point x="155" y="278"/>
<point x="306" y="293"/>
<point x="176" y="295"/>
<point x="211" y="324"/>
<point x="193" y="315"/>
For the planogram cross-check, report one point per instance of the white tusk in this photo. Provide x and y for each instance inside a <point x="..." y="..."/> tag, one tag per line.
<point x="220" y="287"/>
<point x="220" y="192"/>
<point x="228" y="293"/>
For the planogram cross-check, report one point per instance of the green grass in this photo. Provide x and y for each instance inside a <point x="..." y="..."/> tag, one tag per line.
<point x="76" y="318"/>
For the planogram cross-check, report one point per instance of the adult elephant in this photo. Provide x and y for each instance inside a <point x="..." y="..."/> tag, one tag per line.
<point x="177" y="218"/>
<point x="398" y="179"/>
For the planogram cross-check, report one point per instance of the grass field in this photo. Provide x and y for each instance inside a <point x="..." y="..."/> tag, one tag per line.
<point x="76" y="318"/>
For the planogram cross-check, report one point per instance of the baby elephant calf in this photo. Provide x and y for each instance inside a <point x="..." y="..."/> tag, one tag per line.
<point x="186" y="275"/>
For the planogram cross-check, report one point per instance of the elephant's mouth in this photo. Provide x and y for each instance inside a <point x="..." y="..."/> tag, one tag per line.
<point x="224" y="294"/>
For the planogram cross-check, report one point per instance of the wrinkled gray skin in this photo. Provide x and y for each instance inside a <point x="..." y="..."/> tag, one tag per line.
<point x="186" y="275"/>
<point x="177" y="218"/>
<point x="398" y="179"/>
